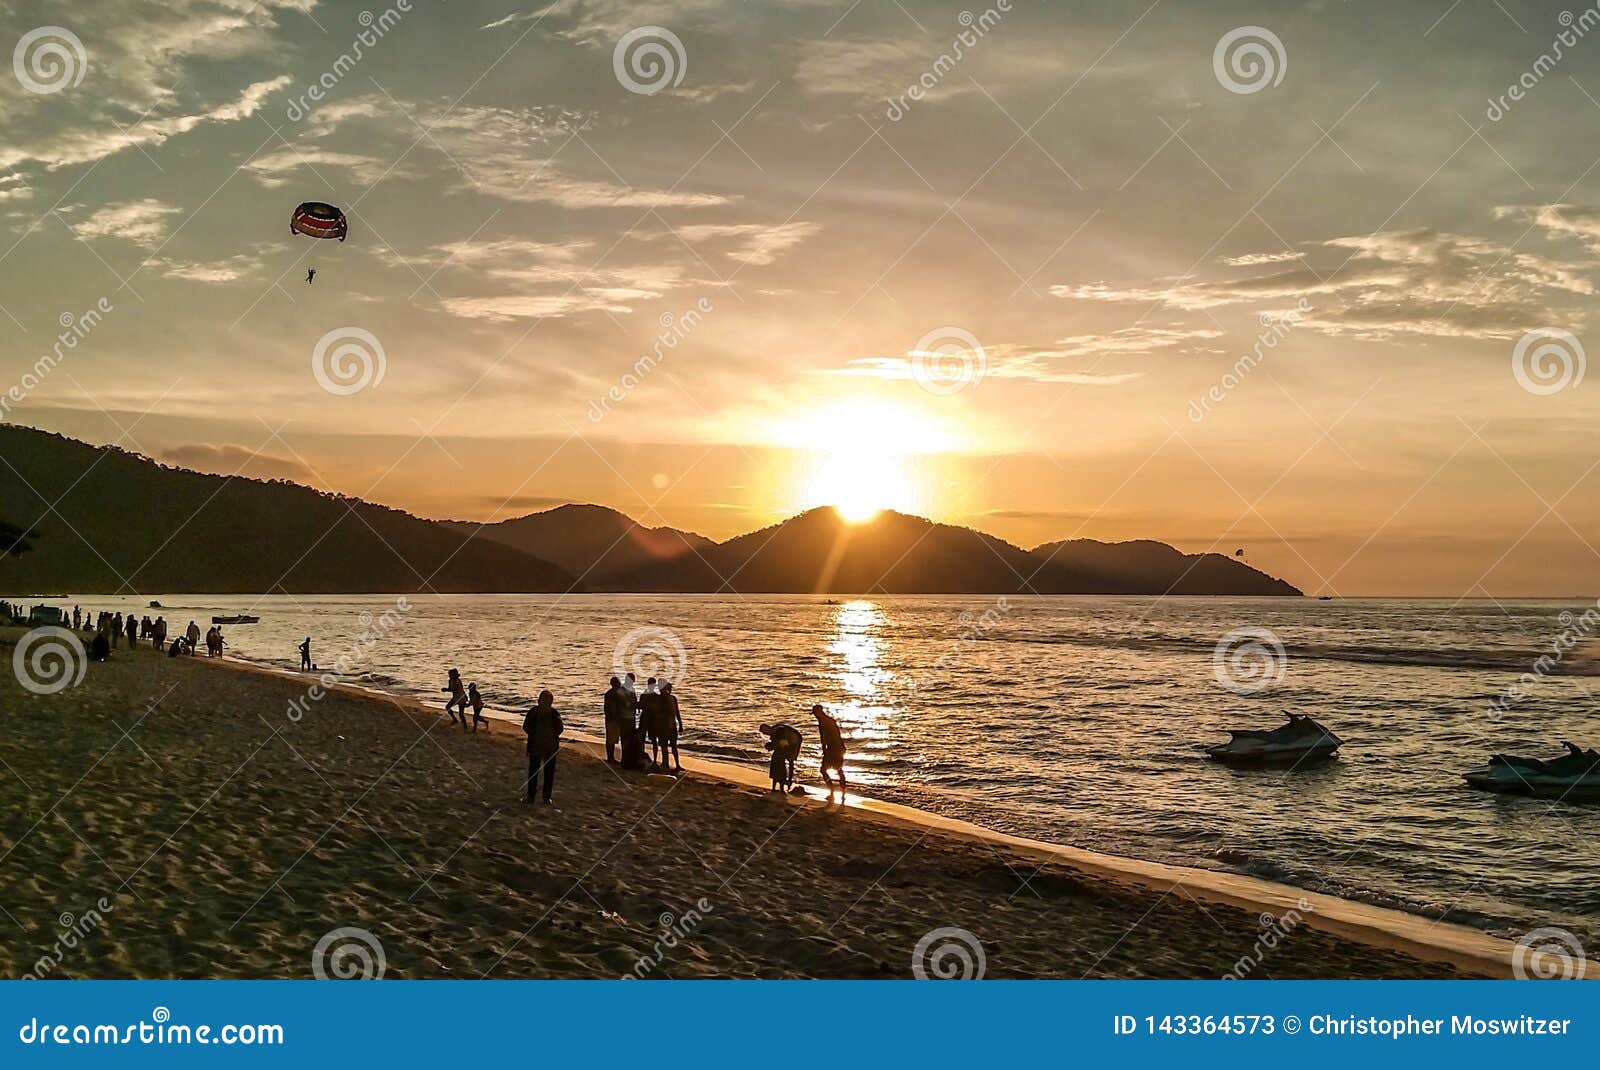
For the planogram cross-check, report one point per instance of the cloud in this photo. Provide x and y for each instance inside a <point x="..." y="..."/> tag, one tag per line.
<point x="96" y="138"/>
<point x="275" y="168"/>
<point x="228" y="459"/>
<point x="213" y="272"/>
<point x="1256" y="259"/>
<point x="508" y="153"/>
<point x="143" y="222"/>
<point x="572" y="282"/>
<point x="14" y="187"/>
<point x="1386" y="284"/>
<point x="1558" y="220"/>
<point x="759" y="243"/>
<point x="864" y="67"/>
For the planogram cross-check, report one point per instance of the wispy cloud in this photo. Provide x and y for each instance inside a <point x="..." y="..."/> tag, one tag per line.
<point x="144" y="222"/>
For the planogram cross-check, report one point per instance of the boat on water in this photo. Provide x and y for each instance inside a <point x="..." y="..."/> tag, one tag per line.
<point x="1303" y="740"/>
<point x="154" y="604"/>
<point x="1573" y="777"/>
<point x="241" y="619"/>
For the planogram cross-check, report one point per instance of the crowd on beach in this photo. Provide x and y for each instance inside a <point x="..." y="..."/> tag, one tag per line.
<point x="109" y="630"/>
<point x="642" y="728"/>
<point x="643" y="724"/>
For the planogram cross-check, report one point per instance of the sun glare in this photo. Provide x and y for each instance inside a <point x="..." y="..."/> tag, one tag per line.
<point x="860" y="484"/>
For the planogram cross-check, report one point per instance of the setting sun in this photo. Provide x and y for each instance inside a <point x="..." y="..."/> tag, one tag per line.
<point x="860" y="485"/>
<point x="866" y="456"/>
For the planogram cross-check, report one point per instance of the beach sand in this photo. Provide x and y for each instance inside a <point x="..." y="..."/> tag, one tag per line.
<point x="227" y="840"/>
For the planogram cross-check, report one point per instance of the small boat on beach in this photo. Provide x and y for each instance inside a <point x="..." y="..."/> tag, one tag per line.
<point x="1302" y="740"/>
<point x="241" y="619"/>
<point x="154" y="604"/>
<point x="1573" y="777"/>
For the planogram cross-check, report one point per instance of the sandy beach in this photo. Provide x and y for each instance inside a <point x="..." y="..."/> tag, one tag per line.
<point x="214" y="836"/>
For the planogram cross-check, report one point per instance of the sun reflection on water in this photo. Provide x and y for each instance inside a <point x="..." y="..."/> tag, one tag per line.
<point x="860" y="646"/>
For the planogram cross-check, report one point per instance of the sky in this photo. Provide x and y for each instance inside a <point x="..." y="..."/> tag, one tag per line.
<point x="1300" y="279"/>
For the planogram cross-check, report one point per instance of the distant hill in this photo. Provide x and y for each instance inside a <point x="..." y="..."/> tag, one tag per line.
<point x="818" y="552"/>
<point x="107" y="515"/>
<point x="1149" y="563"/>
<point x="590" y="541"/>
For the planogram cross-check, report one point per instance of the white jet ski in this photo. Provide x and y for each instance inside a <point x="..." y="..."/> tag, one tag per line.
<point x="1302" y="740"/>
<point x="1573" y="777"/>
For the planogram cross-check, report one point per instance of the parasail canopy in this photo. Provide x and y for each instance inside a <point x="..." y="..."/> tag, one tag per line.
<point x="319" y="220"/>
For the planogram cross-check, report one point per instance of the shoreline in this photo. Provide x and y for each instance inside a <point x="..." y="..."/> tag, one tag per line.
<point x="1462" y="947"/>
<point x="236" y="823"/>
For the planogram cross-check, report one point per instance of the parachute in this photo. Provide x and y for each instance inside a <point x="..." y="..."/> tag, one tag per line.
<point x="317" y="219"/>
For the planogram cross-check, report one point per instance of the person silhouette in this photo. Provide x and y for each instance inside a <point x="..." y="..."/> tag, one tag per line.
<point x="832" y="748"/>
<point x="305" y="655"/>
<point x="311" y="273"/>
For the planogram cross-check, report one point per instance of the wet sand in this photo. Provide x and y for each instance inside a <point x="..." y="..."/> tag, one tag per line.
<point x="228" y="839"/>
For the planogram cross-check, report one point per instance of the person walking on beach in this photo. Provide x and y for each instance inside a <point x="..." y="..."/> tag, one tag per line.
<point x="305" y="655"/>
<point x="77" y="619"/>
<point x="477" y="708"/>
<point x="543" y="728"/>
<point x="617" y="710"/>
<point x="116" y="630"/>
<point x="158" y="632"/>
<point x="192" y="633"/>
<point x="457" y="699"/>
<point x="783" y="740"/>
<point x="669" y="722"/>
<point x="133" y="632"/>
<point x="832" y="748"/>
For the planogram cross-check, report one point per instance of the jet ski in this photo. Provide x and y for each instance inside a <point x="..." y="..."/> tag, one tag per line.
<point x="1301" y="740"/>
<point x="1573" y="777"/>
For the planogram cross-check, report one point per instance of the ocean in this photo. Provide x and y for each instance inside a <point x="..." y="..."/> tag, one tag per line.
<point x="1075" y="720"/>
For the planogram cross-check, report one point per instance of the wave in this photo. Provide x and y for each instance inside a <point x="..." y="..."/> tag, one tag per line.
<point x="1504" y="659"/>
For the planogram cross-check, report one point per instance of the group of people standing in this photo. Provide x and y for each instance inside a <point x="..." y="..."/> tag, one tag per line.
<point x="635" y="718"/>
<point x="110" y="629"/>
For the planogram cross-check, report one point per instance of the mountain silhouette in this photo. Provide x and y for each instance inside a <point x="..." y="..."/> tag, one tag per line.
<point x="589" y="541"/>
<point x="113" y="521"/>
<point x="1150" y="564"/>
<point x="819" y="552"/>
